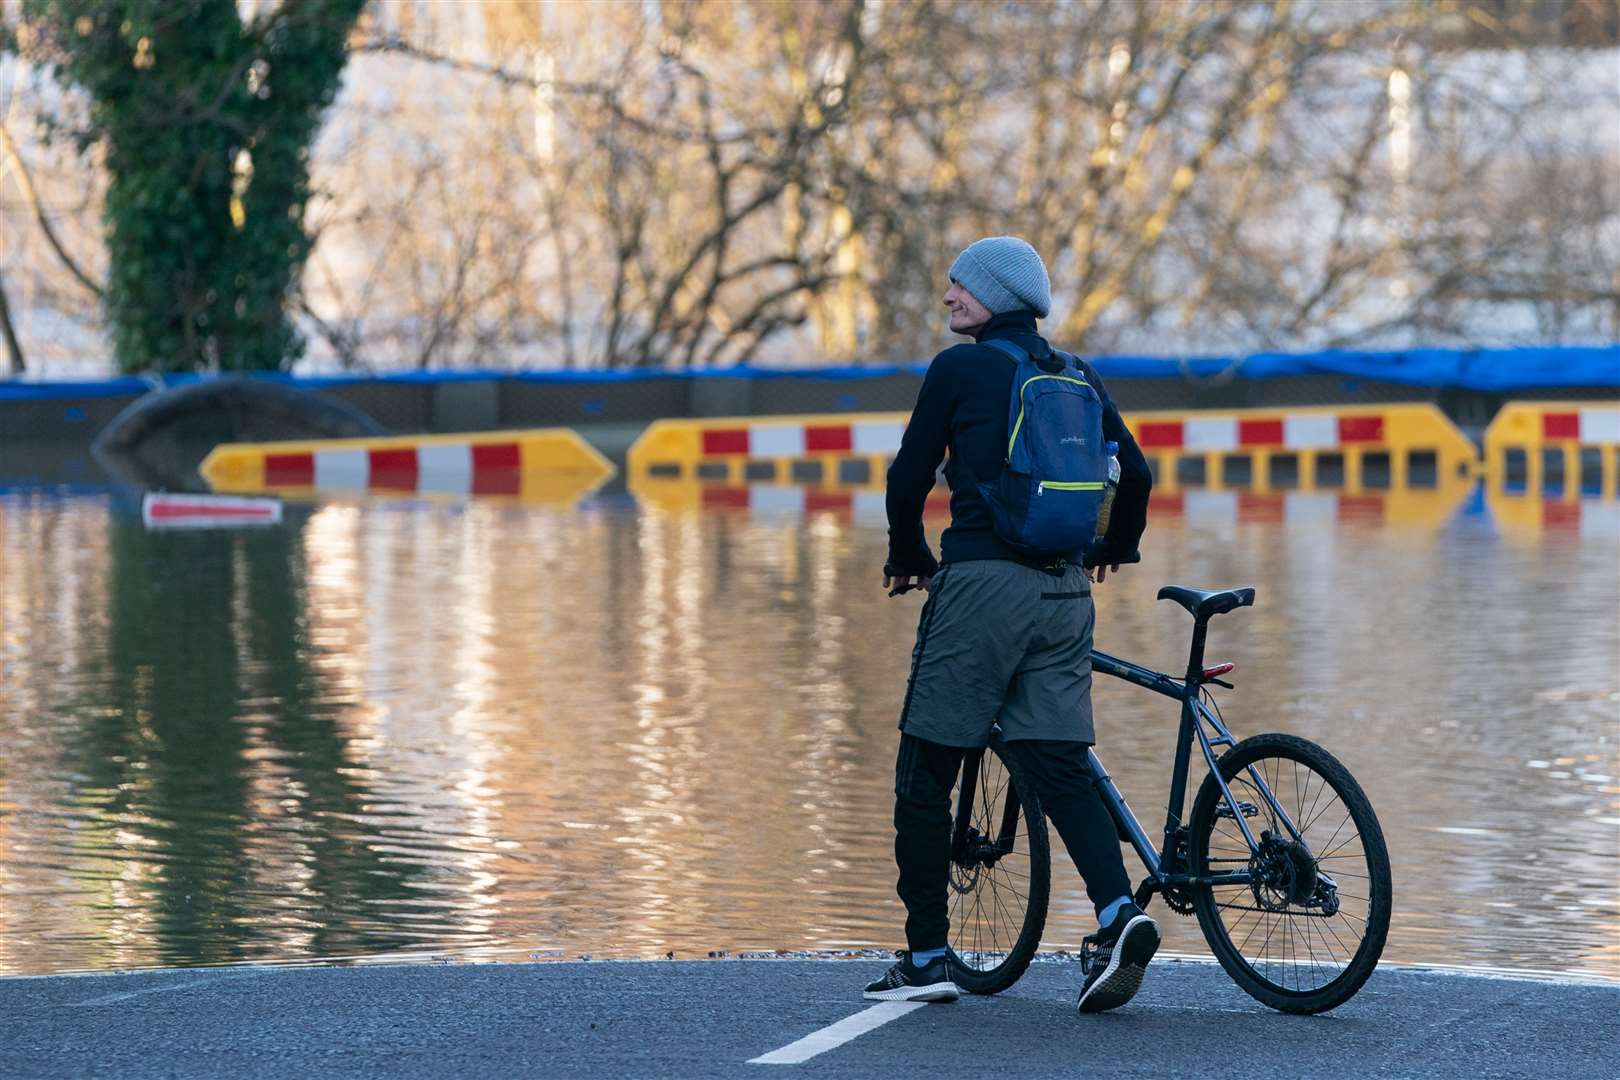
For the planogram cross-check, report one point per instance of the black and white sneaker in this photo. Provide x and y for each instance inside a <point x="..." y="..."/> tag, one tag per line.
<point x="906" y="981"/>
<point x="1114" y="959"/>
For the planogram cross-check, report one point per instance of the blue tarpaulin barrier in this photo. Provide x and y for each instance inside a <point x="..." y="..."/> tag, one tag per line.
<point x="1484" y="370"/>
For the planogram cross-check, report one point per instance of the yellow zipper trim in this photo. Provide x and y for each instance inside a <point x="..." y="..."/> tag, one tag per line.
<point x="1072" y="485"/>
<point x="1014" y="437"/>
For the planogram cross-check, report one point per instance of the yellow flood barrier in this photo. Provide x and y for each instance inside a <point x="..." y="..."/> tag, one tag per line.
<point x="1350" y="448"/>
<point x="1347" y="448"/>
<point x="839" y="450"/>
<point x="1554" y="448"/>
<point x="543" y="465"/>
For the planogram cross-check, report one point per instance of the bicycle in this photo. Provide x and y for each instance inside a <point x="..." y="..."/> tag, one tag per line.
<point x="1293" y="908"/>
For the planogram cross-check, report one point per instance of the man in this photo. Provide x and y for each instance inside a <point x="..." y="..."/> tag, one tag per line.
<point x="1003" y="636"/>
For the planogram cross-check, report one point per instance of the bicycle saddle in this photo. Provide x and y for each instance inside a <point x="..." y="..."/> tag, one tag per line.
<point x="1206" y="602"/>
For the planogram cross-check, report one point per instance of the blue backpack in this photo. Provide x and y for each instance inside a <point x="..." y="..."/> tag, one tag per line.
<point x="1047" y="499"/>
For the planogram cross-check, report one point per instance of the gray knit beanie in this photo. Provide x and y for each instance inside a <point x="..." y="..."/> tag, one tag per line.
<point x="1004" y="274"/>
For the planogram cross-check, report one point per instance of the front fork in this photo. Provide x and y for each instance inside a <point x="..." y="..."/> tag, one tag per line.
<point x="964" y="805"/>
<point x="966" y="843"/>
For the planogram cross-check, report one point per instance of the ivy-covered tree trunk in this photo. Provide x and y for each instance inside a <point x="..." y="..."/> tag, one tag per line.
<point x="207" y="123"/>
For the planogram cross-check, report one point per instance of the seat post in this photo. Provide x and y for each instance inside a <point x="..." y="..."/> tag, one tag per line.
<point x="1195" y="656"/>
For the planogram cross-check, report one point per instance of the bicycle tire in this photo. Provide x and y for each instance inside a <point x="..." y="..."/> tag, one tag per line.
<point x="1279" y="976"/>
<point x="989" y="956"/>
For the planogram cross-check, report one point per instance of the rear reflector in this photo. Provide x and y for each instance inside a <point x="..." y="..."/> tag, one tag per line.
<point x="1218" y="670"/>
<point x="163" y="510"/>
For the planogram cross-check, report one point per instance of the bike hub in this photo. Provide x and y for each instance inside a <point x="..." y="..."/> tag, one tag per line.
<point x="1282" y="872"/>
<point x="976" y="851"/>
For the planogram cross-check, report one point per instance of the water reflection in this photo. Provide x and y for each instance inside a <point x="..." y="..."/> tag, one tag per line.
<point x="502" y="730"/>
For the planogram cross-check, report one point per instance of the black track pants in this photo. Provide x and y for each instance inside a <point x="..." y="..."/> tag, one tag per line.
<point x="923" y="776"/>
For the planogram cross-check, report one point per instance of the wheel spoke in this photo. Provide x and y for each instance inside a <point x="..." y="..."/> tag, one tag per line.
<point x="1347" y="842"/>
<point x="1340" y="828"/>
<point x="1332" y="963"/>
<point x="992" y="899"/>
<point x="1014" y="890"/>
<point x="1329" y="928"/>
<point x="1307" y="816"/>
<point x="1261" y="932"/>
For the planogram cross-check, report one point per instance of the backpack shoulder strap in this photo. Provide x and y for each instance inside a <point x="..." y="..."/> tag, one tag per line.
<point x="1072" y="362"/>
<point x="1003" y="345"/>
<point x="1020" y="354"/>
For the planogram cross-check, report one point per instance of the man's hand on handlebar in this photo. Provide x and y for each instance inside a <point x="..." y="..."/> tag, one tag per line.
<point x="904" y="583"/>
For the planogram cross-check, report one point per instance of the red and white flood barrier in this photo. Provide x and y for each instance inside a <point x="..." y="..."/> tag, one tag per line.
<point x="165" y="510"/>
<point x="1592" y="426"/>
<point x="777" y="439"/>
<point x="687" y="447"/>
<point x="452" y="468"/>
<point x="521" y="463"/>
<point x="1305" y="431"/>
<point x="1375" y="446"/>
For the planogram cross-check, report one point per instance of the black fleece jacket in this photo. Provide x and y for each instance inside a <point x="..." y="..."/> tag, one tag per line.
<point x="962" y="407"/>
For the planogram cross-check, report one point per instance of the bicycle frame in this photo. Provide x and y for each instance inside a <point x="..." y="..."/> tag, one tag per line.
<point x="1199" y="722"/>
<point x="1164" y="866"/>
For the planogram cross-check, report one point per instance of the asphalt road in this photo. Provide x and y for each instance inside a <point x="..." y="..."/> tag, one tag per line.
<point x="711" y="1018"/>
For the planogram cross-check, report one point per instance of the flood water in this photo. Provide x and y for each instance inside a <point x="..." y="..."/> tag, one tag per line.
<point x="495" y="731"/>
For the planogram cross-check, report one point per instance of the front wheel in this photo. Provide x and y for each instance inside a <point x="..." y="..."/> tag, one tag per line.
<point x="1304" y="931"/>
<point x="1000" y="871"/>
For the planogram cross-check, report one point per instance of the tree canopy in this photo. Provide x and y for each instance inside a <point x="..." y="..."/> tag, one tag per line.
<point x="206" y="122"/>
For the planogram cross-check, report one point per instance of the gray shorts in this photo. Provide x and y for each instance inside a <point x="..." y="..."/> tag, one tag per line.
<point x="1002" y="641"/>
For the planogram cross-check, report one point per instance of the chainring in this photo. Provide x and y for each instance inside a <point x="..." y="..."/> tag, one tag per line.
<point x="1178" y="900"/>
<point x="1176" y="897"/>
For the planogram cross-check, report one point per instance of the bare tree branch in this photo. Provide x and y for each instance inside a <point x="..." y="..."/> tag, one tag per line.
<point x="14" y="349"/>
<point x="26" y="183"/>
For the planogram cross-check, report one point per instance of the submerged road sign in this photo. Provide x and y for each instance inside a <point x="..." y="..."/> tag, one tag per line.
<point x="169" y="510"/>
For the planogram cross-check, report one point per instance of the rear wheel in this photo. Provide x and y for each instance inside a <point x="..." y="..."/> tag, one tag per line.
<point x="1000" y="871"/>
<point x="1304" y="933"/>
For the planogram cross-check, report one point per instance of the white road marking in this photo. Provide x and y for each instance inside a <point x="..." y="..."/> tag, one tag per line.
<point x="836" y="1035"/>
<point x="107" y="999"/>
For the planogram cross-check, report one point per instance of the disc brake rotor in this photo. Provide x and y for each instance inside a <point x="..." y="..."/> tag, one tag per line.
<point x="1282" y="872"/>
<point x="964" y="877"/>
<point x="965" y="871"/>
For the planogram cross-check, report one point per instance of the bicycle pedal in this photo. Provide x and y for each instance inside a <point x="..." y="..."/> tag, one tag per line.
<point x="1088" y="955"/>
<point x="1224" y="811"/>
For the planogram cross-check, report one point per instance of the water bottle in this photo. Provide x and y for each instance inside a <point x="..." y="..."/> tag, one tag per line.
<point x="1111" y="448"/>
